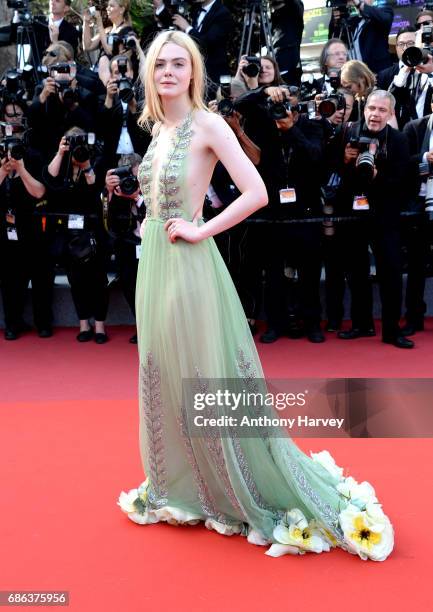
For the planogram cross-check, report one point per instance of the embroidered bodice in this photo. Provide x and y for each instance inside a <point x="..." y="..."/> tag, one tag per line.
<point x="167" y="198"/>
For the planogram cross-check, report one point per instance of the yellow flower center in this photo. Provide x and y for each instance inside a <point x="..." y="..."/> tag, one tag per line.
<point x="363" y="535"/>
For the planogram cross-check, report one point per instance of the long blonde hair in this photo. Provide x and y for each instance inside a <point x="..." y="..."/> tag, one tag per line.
<point x="153" y="110"/>
<point x="357" y="72"/>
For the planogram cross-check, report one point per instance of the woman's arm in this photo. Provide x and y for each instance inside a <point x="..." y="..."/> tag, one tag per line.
<point x="34" y="187"/>
<point x="56" y="162"/>
<point x="222" y="141"/>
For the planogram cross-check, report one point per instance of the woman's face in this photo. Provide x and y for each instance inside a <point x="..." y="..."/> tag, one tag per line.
<point x="267" y="72"/>
<point x="355" y="88"/>
<point x="114" y="11"/>
<point x="173" y="71"/>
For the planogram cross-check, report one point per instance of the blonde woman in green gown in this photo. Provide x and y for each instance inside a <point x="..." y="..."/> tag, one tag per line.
<point x="191" y="325"/>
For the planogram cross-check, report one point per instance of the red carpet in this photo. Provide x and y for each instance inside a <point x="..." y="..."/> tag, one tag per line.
<point x="68" y="446"/>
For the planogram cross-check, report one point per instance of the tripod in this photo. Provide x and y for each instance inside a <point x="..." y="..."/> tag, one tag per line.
<point x="26" y="41"/>
<point x="253" y="9"/>
<point x="344" y="31"/>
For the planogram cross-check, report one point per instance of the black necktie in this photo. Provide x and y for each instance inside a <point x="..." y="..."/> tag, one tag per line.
<point x="196" y="16"/>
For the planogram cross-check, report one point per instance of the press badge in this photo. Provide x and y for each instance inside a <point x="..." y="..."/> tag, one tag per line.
<point x="12" y="233"/>
<point x="75" y="222"/>
<point x="138" y="251"/>
<point x="360" y="203"/>
<point x="287" y="195"/>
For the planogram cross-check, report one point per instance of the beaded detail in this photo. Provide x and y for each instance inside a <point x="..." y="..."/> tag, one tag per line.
<point x="169" y="204"/>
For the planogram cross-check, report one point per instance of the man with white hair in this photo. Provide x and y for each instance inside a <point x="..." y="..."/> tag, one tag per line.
<point x="374" y="160"/>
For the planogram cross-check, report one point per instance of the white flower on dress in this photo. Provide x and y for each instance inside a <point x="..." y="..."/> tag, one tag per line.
<point x="126" y="501"/>
<point x="358" y="494"/>
<point x="294" y="535"/>
<point x="367" y="533"/>
<point x="327" y="461"/>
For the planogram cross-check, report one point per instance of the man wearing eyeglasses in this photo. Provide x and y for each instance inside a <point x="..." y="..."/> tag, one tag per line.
<point x="411" y="87"/>
<point x="423" y="18"/>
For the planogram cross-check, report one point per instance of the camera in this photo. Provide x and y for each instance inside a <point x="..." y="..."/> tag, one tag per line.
<point x="80" y="146"/>
<point x="63" y="85"/>
<point x="18" y="85"/>
<point x="226" y="106"/>
<point x="12" y="146"/>
<point x="179" y="7"/>
<point x="335" y="101"/>
<point x="252" y="69"/>
<point x="425" y="170"/>
<point x="278" y="110"/>
<point x="367" y="148"/>
<point x="128" y="182"/>
<point x="18" y="5"/>
<point x="127" y="40"/>
<point x="414" y="56"/>
<point x="125" y="85"/>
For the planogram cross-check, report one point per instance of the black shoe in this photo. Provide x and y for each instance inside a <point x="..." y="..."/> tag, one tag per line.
<point x="356" y="332"/>
<point x="411" y="328"/>
<point x="333" y="325"/>
<point x="269" y="336"/>
<point x="45" y="332"/>
<point x="316" y="336"/>
<point x="11" y="334"/>
<point x="101" y="338"/>
<point x="85" y="336"/>
<point x="133" y="339"/>
<point x="399" y="341"/>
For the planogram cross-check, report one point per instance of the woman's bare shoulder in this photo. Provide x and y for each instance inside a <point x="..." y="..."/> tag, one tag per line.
<point x="210" y="123"/>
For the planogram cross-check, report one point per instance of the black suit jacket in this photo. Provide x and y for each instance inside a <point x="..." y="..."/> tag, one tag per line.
<point x="287" y="28"/>
<point x="213" y="37"/>
<point x="405" y="108"/>
<point x="373" y="40"/>
<point x="415" y="132"/>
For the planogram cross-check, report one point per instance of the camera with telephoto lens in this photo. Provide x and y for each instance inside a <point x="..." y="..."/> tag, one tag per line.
<point x="368" y="150"/>
<point x="226" y="105"/>
<point x="128" y="182"/>
<point x="414" y="56"/>
<point x="335" y="101"/>
<point x="252" y="69"/>
<point x="18" y="85"/>
<point x="125" y="85"/>
<point x="81" y="146"/>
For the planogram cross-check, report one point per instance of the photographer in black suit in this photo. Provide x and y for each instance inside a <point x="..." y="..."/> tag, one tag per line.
<point x="411" y="87"/>
<point x="291" y="155"/>
<point x="373" y="162"/>
<point x="419" y="134"/>
<point x="369" y="31"/>
<point x="211" y="26"/>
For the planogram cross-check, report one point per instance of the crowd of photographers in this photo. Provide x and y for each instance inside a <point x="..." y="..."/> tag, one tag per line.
<point x="346" y="159"/>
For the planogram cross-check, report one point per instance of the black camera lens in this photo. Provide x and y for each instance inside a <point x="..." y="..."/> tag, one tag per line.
<point x="126" y="91"/>
<point x="278" y="110"/>
<point x="251" y="70"/>
<point x="414" y="56"/>
<point x="226" y="107"/>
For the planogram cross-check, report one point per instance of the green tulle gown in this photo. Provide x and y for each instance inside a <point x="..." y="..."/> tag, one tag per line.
<point x="191" y="325"/>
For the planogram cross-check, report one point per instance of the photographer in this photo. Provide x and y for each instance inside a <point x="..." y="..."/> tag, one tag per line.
<point x="254" y="72"/>
<point x="211" y="26"/>
<point x="110" y="41"/>
<point x="419" y="134"/>
<point x="59" y="104"/>
<point x="409" y="81"/>
<point x="124" y="214"/>
<point x="365" y="33"/>
<point x="238" y="246"/>
<point x="75" y="228"/>
<point x="57" y="28"/>
<point x="23" y="252"/>
<point x="373" y="163"/>
<point x="119" y="114"/>
<point x="333" y="57"/>
<point x="291" y="154"/>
